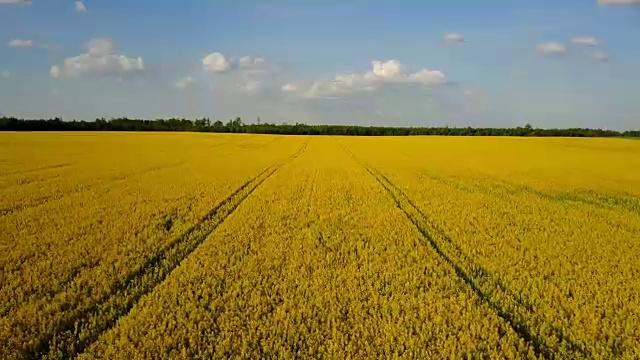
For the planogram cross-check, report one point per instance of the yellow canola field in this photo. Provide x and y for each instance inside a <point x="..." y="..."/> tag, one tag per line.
<point x="176" y="245"/>
<point x="554" y="221"/>
<point x="84" y="213"/>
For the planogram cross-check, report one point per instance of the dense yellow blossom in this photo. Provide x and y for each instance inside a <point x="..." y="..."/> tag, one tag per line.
<point x="146" y="246"/>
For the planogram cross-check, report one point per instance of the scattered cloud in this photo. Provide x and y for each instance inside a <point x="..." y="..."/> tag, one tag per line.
<point x="552" y="48"/>
<point x="452" y="38"/>
<point x="6" y="74"/>
<point x="251" y="87"/>
<point x="185" y="83"/>
<point x="248" y="63"/>
<point x="54" y="72"/>
<point x="100" y="47"/>
<point x="381" y="73"/>
<point x="216" y="62"/>
<point x="80" y="7"/>
<point x="15" y="1"/>
<point x="20" y="43"/>
<point x="290" y="87"/>
<point x="601" y="56"/>
<point x="98" y="61"/>
<point x="586" y="40"/>
<point x="618" y="2"/>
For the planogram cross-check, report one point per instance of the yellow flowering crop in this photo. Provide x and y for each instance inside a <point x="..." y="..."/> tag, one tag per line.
<point x="176" y="245"/>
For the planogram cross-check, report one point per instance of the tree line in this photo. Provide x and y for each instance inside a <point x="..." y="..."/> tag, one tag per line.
<point x="237" y="126"/>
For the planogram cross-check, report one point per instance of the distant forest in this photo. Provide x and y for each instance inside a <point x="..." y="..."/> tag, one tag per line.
<point x="237" y="126"/>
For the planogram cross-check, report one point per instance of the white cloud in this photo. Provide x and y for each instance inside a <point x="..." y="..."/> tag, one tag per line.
<point x="249" y="63"/>
<point x="585" y="40"/>
<point x="382" y="72"/>
<point x="618" y="2"/>
<point x="216" y="62"/>
<point x="20" y="43"/>
<point x="394" y="71"/>
<point x="251" y="87"/>
<point x="388" y="69"/>
<point x="185" y="83"/>
<point x="552" y="48"/>
<point x="219" y="63"/>
<point x="453" y="38"/>
<point x="54" y="92"/>
<point x="100" y="47"/>
<point x="427" y="77"/>
<point x="15" y="1"/>
<point x="290" y="87"/>
<point x="327" y="90"/>
<point x="80" y="7"/>
<point x="54" y="71"/>
<point x="6" y="74"/>
<point x="98" y="61"/>
<point x="601" y="56"/>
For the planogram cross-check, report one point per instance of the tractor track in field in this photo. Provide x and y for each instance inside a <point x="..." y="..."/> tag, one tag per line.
<point x="80" y="189"/>
<point x="29" y="181"/>
<point x="42" y="168"/>
<point x="100" y="183"/>
<point x="76" y="332"/>
<point x="621" y="202"/>
<point x="517" y="312"/>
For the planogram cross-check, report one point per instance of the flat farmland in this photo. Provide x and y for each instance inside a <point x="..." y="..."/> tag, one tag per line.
<point x="202" y="246"/>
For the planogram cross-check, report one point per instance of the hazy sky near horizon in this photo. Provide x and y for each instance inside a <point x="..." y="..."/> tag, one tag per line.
<point x="550" y="63"/>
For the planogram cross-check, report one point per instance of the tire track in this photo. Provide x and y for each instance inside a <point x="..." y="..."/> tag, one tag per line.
<point x="42" y="168"/>
<point x="78" y="330"/>
<point x="80" y="189"/>
<point x="29" y="181"/>
<point x="622" y="202"/>
<point x="547" y="340"/>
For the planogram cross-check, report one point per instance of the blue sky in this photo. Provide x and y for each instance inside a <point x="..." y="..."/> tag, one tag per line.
<point x="398" y="63"/>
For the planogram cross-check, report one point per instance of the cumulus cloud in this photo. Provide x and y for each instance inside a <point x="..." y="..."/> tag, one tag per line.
<point x="250" y="87"/>
<point x="601" y="56"/>
<point x="100" y="47"/>
<point x="427" y="77"/>
<point x="618" y="2"/>
<point x="15" y="1"/>
<point x="453" y="38"/>
<point x="80" y="7"/>
<point x="290" y="87"/>
<point x="249" y="63"/>
<point x="99" y="60"/>
<point x="388" y="69"/>
<point x="552" y="48"/>
<point x="186" y="83"/>
<point x="20" y="43"/>
<point x="219" y="63"/>
<point x="54" y="71"/>
<point x="216" y="62"/>
<point x="585" y="40"/>
<point x="381" y="73"/>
